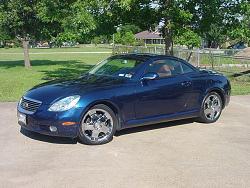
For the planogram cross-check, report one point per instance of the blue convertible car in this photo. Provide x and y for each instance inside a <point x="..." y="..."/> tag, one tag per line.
<point x="121" y="92"/>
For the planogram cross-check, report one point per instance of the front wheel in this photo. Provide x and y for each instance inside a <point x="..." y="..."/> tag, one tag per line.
<point x="98" y="125"/>
<point x="211" y="108"/>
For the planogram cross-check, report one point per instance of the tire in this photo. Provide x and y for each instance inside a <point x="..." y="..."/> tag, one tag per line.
<point x="98" y="125"/>
<point x="211" y="108"/>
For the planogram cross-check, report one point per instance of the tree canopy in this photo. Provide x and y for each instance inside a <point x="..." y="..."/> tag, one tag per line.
<point x="183" y="22"/>
<point x="45" y="20"/>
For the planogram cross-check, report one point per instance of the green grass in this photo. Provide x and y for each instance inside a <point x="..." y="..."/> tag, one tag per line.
<point x="208" y="60"/>
<point x="15" y="79"/>
<point x="240" y="84"/>
<point x="44" y="50"/>
<point x="240" y="88"/>
<point x="217" y="60"/>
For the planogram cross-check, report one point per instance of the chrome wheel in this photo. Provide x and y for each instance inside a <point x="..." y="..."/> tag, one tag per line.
<point x="212" y="107"/>
<point x="97" y="125"/>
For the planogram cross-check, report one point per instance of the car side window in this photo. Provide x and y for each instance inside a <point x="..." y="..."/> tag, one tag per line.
<point x="119" y="67"/>
<point x="165" y="68"/>
<point x="186" y="68"/>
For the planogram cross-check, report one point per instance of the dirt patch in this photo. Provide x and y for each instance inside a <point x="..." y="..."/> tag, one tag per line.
<point x="244" y="53"/>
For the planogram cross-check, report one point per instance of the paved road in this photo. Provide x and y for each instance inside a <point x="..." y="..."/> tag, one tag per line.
<point x="181" y="154"/>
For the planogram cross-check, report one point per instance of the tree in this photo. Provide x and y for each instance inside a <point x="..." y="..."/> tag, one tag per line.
<point x="214" y="20"/>
<point x="145" y="14"/>
<point x="106" y="14"/>
<point x="134" y="15"/>
<point x="3" y="38"/>
<point x="45" y="20"/>
<point x="125" y="38"/>
<point x="73" y="19"/>
<point x="215" y="36"/>
<point x="96" y="40"/>
<point x="149" y="13"/>
<point x="18" y="19"/>
<point x="175" y="19"/>
<point x="241" y="33"/>
<point x="129" y="28"/>
<point x="128" y="38"/>
<point x="188" y="38"/>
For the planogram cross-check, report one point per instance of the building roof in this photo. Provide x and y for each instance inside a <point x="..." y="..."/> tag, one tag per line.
<point x="148" y="35"/>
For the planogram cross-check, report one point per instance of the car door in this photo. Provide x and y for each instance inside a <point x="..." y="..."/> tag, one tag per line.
<point x="198" y="87"/>
<point x="165" y="95"/>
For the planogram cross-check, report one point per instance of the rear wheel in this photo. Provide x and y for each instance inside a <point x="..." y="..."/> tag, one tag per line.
<point x="98" y="125"/>
<point x="211" y="108"/>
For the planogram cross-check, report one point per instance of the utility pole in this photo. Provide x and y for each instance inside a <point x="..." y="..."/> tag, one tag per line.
<point x="117" y="28"/>
<point x="113" y="43"/>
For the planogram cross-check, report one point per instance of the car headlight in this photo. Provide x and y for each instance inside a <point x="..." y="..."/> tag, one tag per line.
<point x="20" y="101"/>
<point x="64" y="104"/>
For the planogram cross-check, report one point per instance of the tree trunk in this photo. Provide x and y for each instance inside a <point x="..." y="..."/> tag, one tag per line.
<point x="26" y="53"/>
<point x="190" y="55"/>
<point x="168" y="30"/>
<point x="209" y="44"/>
<point x="168" y="41"/>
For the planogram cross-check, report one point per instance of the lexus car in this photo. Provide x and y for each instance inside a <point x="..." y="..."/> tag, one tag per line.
<point x="121" y="92"/>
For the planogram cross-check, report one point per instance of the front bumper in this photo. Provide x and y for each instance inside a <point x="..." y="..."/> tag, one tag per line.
<point x="42" y="120"/>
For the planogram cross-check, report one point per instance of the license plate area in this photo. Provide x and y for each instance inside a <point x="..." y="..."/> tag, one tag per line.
<point x="22" y="118"/>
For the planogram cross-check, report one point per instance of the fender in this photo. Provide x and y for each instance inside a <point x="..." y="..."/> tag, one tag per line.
<point x="218" y="90"/>
<point x="111" y="105"/>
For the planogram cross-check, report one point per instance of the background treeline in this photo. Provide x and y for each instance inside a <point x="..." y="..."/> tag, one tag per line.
<point x="85" y="21"/>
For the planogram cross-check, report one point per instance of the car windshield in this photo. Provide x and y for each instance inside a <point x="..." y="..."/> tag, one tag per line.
<point x="117" y="67"/>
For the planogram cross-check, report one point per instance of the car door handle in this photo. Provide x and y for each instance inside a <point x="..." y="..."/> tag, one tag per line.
<point x="186" y="83"/>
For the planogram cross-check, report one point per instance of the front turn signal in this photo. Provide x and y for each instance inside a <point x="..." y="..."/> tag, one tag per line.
<point x="68" y="123"/>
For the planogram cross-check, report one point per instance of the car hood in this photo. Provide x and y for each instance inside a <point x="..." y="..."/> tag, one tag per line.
<point x="51" y="91"/>
<point x="207" y="71"/>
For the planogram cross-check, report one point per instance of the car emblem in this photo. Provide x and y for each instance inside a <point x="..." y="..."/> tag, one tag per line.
<point x="26" y="105"/>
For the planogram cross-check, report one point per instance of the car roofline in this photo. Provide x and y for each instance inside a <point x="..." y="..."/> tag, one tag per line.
<point x="150" y="56"/>
<point x="143" y="56"/>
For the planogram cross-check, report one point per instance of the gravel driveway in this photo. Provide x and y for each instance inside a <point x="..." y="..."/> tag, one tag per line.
<point x="179" y="154"/>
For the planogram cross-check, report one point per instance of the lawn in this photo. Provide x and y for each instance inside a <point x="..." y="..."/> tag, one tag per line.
<point x="15" y="79"/>
<point x="37" y="50"/>
<point x="239" y="77"/>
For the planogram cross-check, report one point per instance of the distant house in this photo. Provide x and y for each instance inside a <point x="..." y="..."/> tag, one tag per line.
<point x="150" y="37"/>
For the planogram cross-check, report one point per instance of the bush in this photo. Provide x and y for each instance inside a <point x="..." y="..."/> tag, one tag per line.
<point x="126" y="38"/>
<point x="96" y="40"/>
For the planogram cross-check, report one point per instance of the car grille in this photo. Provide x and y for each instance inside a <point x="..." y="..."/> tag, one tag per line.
<point x="30" y="105"/>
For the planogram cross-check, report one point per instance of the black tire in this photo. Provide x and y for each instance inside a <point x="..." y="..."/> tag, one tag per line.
<point x="205" y="118"/>
<point x="83" y="135"/>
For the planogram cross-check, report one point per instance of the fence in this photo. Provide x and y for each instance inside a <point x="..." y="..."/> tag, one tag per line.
<point x="225" y="60"/>
<point x="232" y="63"/>
<point x="206" y="58"/>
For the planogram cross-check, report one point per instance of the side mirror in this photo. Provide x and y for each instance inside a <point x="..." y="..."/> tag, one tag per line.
<point x="150" y="76"/>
